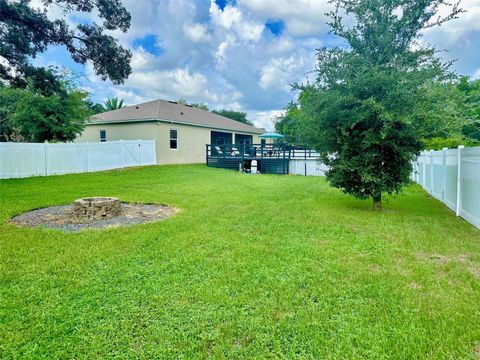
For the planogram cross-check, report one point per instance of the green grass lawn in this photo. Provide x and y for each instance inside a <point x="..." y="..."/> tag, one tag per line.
<point x="252" y="266"/>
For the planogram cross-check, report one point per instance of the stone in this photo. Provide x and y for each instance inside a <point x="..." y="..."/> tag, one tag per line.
<point x="97" y="208"/>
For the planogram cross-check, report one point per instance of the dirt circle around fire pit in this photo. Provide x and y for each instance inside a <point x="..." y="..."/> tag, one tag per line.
<point x="106" y="213"/>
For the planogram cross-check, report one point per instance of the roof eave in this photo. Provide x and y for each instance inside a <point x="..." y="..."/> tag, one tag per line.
<point x="104" y="122"/>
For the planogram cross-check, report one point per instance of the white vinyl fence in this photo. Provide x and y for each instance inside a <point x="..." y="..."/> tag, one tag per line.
<point x="307" y="167"/>
<point x="306" y="162"/>
<point x="33" y="159"/>
<point x="453" y="177"/>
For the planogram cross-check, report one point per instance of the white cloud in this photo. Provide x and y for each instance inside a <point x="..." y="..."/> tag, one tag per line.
<point x="458" y="29"/>
<point x="129" y="97"/>
<point x="141" y="59"/>
<point x="281" y="45"/>
<point x="220" y="53"/>
<point x="301" y="17"/>
<point x="229" y="59"/>
<point x="476" y="74"/>
<point x="231" y="18"/>
<point x="172" y="84"/>
<point x="225" y="18"/>
<point x="459" y="37"/>
<point x="222" y="57"/>
<point x="196" y="32"/>
<point x="280" y="73"/>
<point x="249" y="30"/>
<point x="264" y="119"/>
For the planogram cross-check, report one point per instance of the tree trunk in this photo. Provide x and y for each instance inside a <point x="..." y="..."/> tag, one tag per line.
<point x="377" y="202"/>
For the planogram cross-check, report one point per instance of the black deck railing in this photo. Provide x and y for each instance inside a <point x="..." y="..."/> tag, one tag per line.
<point x="302" y="153"/>
<point x="248" y="151"/>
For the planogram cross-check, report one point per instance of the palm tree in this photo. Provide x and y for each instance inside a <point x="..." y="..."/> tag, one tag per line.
<point x="112" y="104"/>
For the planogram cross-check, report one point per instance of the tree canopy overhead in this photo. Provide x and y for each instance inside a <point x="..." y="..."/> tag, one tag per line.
<point x="26" y="31"/>
<point x="363" y="113"/>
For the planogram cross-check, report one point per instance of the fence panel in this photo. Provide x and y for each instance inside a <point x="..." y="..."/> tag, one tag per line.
<point x="451" y="164"/>
<point x="65" y="158"/>
<point x="107" y="155"/>
<point x="22" y="159"/>
<point x="28" y="159"/>
<point x="427" y="158"/>
<point x="470" y="185"/>
<point x="438" y="174"/>
<point x="453" y="177"/>
<point x="420" y="175"/>
<point x="313" y="167"/>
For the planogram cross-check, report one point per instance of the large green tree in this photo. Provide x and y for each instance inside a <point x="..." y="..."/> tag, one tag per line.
<point x="26" y="31"/>
<point x="362" y="108"/>
<point x="95" y="108"/>
<point x="8" y="98"/>
<point x="290" y="124"/>
<point x="471" y="91"/>
<point x="445" y="116"/>
<point x="440" y="111"/>
<point x="28" y="115"/>
<point x="441" y="116"/>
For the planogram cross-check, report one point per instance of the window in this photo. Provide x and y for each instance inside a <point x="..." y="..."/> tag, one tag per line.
<point x="241" y="139"/>
<point x="173" y="139"/>
<point x="220" y="138"/>
<point x="102" y="134"/>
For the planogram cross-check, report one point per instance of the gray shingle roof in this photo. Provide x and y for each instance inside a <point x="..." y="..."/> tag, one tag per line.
<point x="173" y="112"/>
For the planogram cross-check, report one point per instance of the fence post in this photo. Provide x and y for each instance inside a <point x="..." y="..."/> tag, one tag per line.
<point x="444" y="169"/>
<point x="122" y="153"/>
<point x="459" y="179"/>
<point x="424" y="165"/>
<point x="45" y="154"/>
<point x="431" y="172"/>
<point x="154" y="152"/>
<point x="417" y="173"/>
<point x="87" y="166"/>
<point x="206" y="153"/>
<point x="139" y="152"/>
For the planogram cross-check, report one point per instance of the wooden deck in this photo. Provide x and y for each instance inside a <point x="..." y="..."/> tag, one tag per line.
<point x="271" y="158"/>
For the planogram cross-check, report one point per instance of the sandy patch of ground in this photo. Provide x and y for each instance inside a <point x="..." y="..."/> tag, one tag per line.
<point x="63" y="217"/>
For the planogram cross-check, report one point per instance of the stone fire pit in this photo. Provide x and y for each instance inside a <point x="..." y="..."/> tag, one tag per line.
<point x="97" y="208"/>
<point x="94" y="212"/>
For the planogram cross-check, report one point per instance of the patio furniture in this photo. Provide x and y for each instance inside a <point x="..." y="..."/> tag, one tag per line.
<point x="218" y="150"/>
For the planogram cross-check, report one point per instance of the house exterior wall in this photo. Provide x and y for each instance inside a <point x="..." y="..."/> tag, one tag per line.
<point x="137" y="131"/>
<point x="191" y="139"/>
<point x="191" y="144"/>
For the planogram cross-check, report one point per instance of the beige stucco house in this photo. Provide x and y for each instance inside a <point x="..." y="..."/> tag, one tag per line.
<point x="180" y="131"/>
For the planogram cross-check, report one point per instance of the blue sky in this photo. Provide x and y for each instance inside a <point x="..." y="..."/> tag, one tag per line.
<point x="237" y="54"/>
